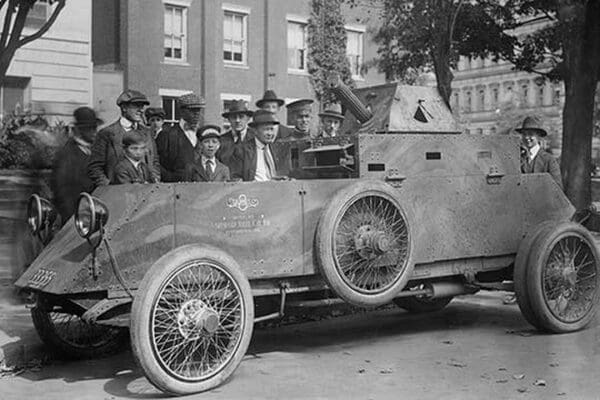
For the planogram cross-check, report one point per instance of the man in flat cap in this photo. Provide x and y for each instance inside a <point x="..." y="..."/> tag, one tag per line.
<point x="257" y="161"/>
<point x="176" y="145"/>
<point x="534" y="159"/>
<point x="270" y="102"/>
<point x="206" y="167"/>
<point x="155" y="117"/>
<point x="232" y="140"/>
<point x="300" y="113"/>
<point x="331" y="120"/>
<point x="107" y="149"/>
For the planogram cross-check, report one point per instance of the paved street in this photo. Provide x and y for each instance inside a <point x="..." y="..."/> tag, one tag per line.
<point x="477" y="348"/>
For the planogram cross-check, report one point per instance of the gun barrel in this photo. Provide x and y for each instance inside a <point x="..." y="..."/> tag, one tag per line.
<point x="349" y="99"/>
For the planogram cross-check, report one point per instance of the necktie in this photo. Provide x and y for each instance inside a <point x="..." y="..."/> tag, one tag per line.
<point x="140" y="168"/>
<point x="270" y="163"/>
<point x="210" y="168"/>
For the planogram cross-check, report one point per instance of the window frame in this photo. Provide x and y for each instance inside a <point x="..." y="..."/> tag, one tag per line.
<point x="360" y="30"/>
<point x="235" y="10"/>
<point x="183" y="6"/>
<point x="293" y="19"/>
<point x="173" y="94"/>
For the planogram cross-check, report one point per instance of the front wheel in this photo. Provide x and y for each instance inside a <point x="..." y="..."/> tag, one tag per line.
<point x="192" y="320"/>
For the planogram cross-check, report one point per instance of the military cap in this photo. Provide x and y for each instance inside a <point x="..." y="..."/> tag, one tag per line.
<point x="238" y="107"/>
<point x="270" y="96"/>
<point x="532" y="124"/>
<point x="132" y="96"/>
<point x="300" y="105"/>
<point x="85" y="116"/>
<point x="191" y="100"/>
<point x="263" y="117"/>
<point x="155" y="112"/>
<point x="333" y="110"/>
<point x="208" y="131"/>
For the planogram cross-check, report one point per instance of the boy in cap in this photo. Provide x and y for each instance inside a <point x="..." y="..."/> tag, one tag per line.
<point x="300" y="112"/>
<point x="232" y="140"/>
<point x="155" y="117"/>
<point x="331" y="120"/>
<point x="133" y="169"/>
<point x="534" y="159"/>
<point x="207" y="168"/>
<point x="176" y="144"/>
<point x="270" y="102"/>
<point x="107" y="150"/>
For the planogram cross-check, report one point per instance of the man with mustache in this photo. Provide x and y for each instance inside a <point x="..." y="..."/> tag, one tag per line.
<point x="176" y="145"/>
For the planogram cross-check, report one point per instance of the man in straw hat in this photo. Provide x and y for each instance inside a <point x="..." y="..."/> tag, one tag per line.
<point x="270" y="102"/>
<point x="69" y="175"/>
<point x="331" y="120"/>
<point x="534" y="159"/>
<point x="232" y="140"/>
<point x="176" y="144"/>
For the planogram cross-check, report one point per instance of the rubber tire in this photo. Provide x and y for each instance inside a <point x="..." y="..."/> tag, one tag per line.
<point x="324" y="240"/>
<point x="417" y="305"/>
<point x="141" y="312"/>
<point x="521" y="267"/>
<point x="54" y="342"/>
<point x="546" y="321"/>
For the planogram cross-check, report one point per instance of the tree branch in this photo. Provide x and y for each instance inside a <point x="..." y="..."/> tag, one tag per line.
<point x="7" y="22"/>
<point x="27" y="39"/>
<point x="453" y="23"/>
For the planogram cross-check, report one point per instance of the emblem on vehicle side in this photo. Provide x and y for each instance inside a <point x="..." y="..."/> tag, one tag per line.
<point x="242" y="203"/>
<point x="41" y="278"/>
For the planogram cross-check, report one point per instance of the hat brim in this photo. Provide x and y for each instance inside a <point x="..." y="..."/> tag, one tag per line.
<point x="255" y="124"/>
<point x="332" y="115"/>
<point x="279" y="102"/>
<point x="230" y="113"/>
<point x="539" y="131"/>
<point x="89" y="123"/>
<point x="209" y="136"/>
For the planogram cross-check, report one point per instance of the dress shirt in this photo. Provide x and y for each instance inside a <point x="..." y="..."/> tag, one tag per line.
<point x="126" y="124"/>
<point x="136" y="164"/>
<point x="189" y="133"/>
<point x="85" y="147"/>
<point x="212" y="166"/>
<point x="533" y="152"/>
<point x="262" y="173"/>
<point x="238" y="135"/>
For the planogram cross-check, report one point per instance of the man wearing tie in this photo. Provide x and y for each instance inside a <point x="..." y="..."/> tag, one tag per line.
<point x="207" y="168"/>
<point x="257" y="162"/>
<point x="534" y="159"/>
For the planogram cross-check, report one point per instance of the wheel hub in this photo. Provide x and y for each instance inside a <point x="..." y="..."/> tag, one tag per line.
<point x="195" y="319"/>
<point x="370" y="243"/>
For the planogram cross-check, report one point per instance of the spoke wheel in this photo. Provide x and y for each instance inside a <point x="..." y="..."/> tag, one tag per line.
<point x="364" y="245"/>
<point x="193" y="321"/>
<point x="69" y="336"/>
<point x="563" y="279"/>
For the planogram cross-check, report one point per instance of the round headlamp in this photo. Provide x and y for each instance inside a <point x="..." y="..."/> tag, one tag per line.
<point x="40" y="213"/>
<point x="91" y="215"/>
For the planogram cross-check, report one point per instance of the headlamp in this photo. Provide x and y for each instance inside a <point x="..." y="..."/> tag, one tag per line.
<point x="90" y="216"/>
<point x="40" y="214"/>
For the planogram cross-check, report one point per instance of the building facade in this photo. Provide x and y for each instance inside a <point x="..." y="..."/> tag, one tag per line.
<point x="53" y="74"/>
<point x="223" y="50"/>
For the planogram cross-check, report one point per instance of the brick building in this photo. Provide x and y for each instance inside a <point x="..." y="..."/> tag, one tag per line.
<point x="221" y="50"/>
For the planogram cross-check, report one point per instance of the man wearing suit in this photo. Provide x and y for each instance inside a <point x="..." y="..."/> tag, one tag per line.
<point x="300" y="114"/>
<point x="270" y="102"/>
<point x="534" y="159"/>
<point x="69" y="175"/>
<point x="207" y="168"/>
<point x="176" y="145"/>
<point x="231" y="141"/>
<point x="257" y="162"/>
<point x="107" y="150"/>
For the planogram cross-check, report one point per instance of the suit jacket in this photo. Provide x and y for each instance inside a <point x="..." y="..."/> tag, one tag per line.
<point x="107" y="152"/>
<point x="246" y="165"/>
<point x="284" y="132"/>
<point x="195" y="172"/>
<point x="126" y="172"/>
<point x="69" y="178"/>
<point x="542" y="162"/>
<point x="230" y="152"/>
<point x="175" y="152"/>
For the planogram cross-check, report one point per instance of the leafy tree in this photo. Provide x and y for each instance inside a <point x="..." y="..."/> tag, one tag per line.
<point x="327" y="47"/>
<point x="11" y="39"/>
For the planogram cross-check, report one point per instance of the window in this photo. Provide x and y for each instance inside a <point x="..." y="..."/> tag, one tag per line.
<point x="13" y="95"/>
<point x="556" y="97"/>
<point x="296" y="40"/>
<point x="175" y="32"/>
<point x="39" y="14"/>
<point x="235" y="34"/>
<point x="525" y="94"/>
<point x="468" y="101"/>
<point x="479" y="131"/>
<point x="354" y="52"/>
<point x="495" y="96"/>
<point x="481" y="99"/>
<point x="455" y="101"/>
<point x="171" y="110"/>
<point x="493" y="130"/>
<point x="540" y="95"/>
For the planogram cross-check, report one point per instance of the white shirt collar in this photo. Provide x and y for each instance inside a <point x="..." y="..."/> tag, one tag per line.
<point x="189" y="133"/>
<point x="205" y="159"/>
<point x="135" y="163"/>
<point x="84" y="146"/>
<point x="260" y="145"/>
<point x="533" y="151"/>
<point x="125" y="123"/>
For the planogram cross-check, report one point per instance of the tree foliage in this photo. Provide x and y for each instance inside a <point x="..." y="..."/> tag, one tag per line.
<point x="327" y="47"/>
<point x="15" y="15"/>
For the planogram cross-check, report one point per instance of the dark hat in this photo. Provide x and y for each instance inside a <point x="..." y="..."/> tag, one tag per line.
<point x="191" y="100"/>
<point x="333" y="110"/>
<point x="132" y="96"/>
<point x="270" y="96"/>
<point x="155" y="112"/>
<point x="208" y="131"/>
<point x="85" y="116"/>
<point x="263" y="117"/>
<point x="302" y="104"/>
<point x="238" y="107"/>
<point x="532" y="124"/>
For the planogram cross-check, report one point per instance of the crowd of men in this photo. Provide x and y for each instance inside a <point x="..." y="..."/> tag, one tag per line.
<point x="139" y="148"/>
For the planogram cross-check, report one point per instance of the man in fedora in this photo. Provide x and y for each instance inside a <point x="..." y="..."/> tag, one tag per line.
<point x="107" y="150"/>
<point x="534" y="159"/>
<point x="176" y="144"/>
<point x="257" y="161"/>
<point x="69" y="175"/>
<point x="331" y="120"/>
<point x="300" y="114"/>
<point x="232" y="140"/>
<point x="155" y="118"/>
<point x="270" y="102"/>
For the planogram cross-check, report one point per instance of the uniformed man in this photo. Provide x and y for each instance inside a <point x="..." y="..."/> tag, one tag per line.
<point x="176" y="144"/>
<point x="534" y="159"/>
<point x="238" y="116"/>
<point x="300" y="114"/>
<point x="107" y="150"/>
<point x="331" y="120"/>
<point x="155" y="117"/>
<point x="270" y="102"/>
